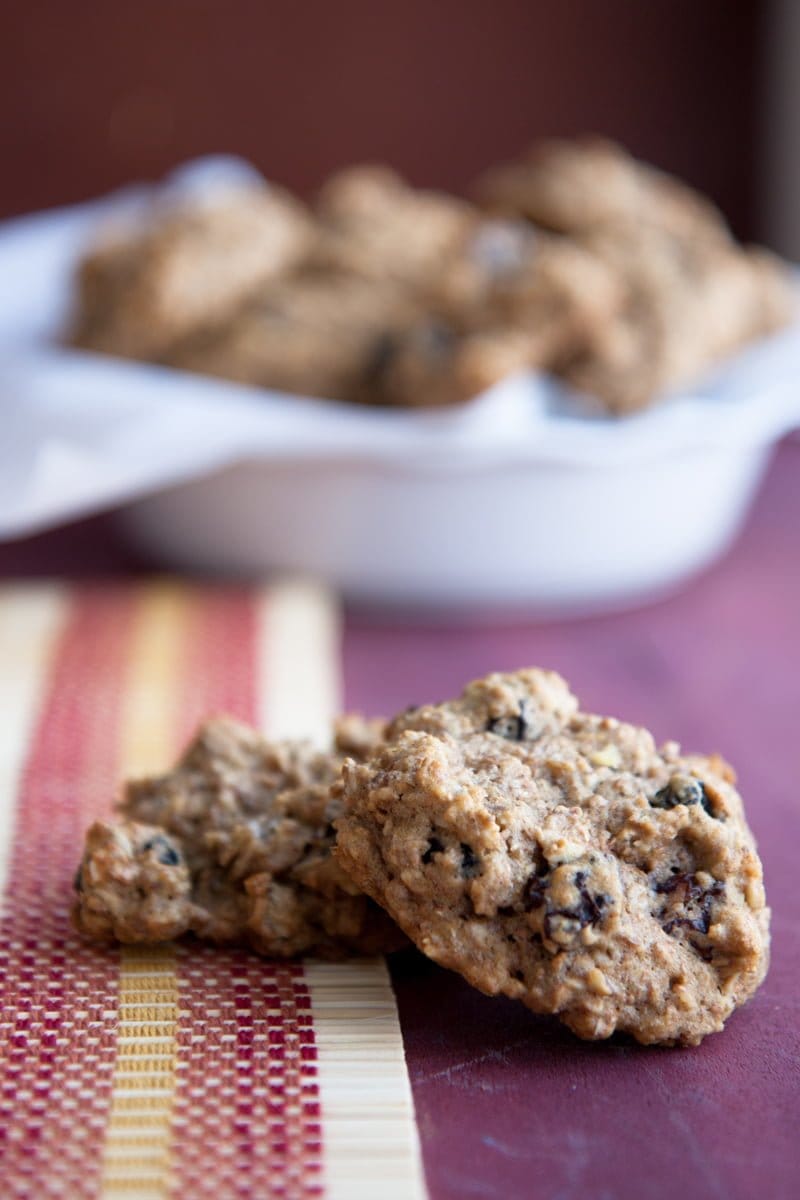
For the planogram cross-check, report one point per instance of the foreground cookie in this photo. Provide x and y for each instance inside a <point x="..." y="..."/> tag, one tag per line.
<point x="233" y="845"/>
<point x="559" y="858"/>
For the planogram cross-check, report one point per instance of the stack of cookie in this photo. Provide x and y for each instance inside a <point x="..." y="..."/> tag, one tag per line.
<point x="546" y="854"/>
<point x="576" y="259"/>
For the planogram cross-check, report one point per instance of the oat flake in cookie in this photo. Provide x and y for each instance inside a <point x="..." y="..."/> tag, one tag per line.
<point x="559" y="858"/>
<point x="233" y="845"/>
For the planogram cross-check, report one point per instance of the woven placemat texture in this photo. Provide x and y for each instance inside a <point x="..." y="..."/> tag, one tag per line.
<point x="180" y="1070"/>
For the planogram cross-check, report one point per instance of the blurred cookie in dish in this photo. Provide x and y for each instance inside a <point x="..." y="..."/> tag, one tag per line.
<point x="582" y="261"/>
<point x="183" y="265"/>
<point x="314" y="334"/>
<point x="585" y="184"/>
<point x="507" y="299"/>
<point x="429" y="363"/>
<point x="687" y="304"/>
<point x="506" y="275"/>
<point x="374" y="224"/>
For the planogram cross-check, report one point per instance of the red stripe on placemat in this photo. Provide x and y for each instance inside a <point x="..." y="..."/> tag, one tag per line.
<point x="220" y="657"/>
<point x="59" y="995"/>
<point x="247" y="1122"/>
<point x="246" y="1114"/>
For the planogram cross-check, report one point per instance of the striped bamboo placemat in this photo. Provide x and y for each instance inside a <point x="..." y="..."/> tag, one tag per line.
<point x="181" y="1070"/>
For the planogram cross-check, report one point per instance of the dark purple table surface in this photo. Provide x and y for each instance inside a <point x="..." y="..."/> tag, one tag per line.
<point x="508" y="1104"/>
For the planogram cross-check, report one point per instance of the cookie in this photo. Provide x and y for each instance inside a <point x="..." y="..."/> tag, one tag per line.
<point x="580" y="261"/>
<point x="183" y="266"/>
<point x="561" y="859"/>
<point x="507" y="299"/>
<point x="133" y="884"/>
<point x="429" y="363"/>
<point x="686" y="305"/>
<point x="315" y="334"/>
<point x="576" y="186"/>
<point x="508" y="275"/>
<point x="374" y="224"/>
<point x="233" y="845"/>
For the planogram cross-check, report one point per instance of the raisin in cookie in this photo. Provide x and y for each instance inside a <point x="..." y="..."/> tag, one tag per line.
<point x="233" y="845"/>
<point x="561" y="859"/>
<point x="184" y="265"/>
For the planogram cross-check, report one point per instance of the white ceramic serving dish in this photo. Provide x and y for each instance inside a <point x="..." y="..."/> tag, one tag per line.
<point x="549" y="537"/>
<point x="514" y="501"/>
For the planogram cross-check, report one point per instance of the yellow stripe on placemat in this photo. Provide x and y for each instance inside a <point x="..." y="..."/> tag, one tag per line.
<point x="31" y="617"/>
<point x="136" y="1158"/>
<point x="370" y="1144"/>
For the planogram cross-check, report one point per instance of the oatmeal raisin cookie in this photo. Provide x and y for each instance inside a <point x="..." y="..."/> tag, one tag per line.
<point x="561" y="859"/>
<point x="234" y="845"/>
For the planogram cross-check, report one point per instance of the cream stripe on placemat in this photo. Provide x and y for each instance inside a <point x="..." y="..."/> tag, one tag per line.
<point x="299" y="662"/>
<point x="30" y="620"/>
<point x="370" y="1145"/>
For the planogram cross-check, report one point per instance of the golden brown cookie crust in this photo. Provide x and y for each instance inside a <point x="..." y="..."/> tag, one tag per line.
<point x="561" y="859"/>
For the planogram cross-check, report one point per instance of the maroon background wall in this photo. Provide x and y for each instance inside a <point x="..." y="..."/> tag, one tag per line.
<point x="94" y="93"/>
